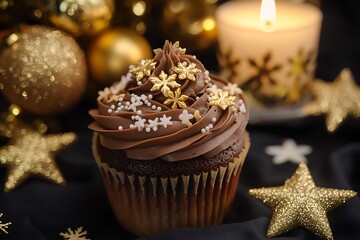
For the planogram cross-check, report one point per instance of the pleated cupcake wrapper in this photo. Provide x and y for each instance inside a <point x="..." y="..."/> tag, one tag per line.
<point x="147" y="205"/>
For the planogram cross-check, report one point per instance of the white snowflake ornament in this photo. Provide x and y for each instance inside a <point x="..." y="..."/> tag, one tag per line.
<point x="185" y="118"/>
<point x="165" y="121"/>
<point x="289" y="151"/>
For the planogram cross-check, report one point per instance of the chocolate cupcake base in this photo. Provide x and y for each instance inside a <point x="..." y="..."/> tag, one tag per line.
<point x="150" y="204"/>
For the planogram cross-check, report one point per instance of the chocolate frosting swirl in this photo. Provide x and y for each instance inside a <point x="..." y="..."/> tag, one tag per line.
<point x="144" y="120"/>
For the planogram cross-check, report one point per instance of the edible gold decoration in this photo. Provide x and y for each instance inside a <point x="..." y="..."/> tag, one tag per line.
<point x="177" y="49"/>
<point x="164" y="83"/>
<point x="186" y="72"/>
<point x="222" y="100"/>
<point x="144" y="68"/>
<point x="30" y="153"/>
<point x="4" y="226"/>
<point x="176" y="100"/>
<point x="300" y="203"/>
<point x="78" y="234"/>
<point x="337" y="100"/>
<point x="262" y="83"/>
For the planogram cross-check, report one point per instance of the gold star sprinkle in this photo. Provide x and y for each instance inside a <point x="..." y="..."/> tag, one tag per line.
<point x="164" y="83"/>
<point x="30" y="153"/>
<point x="78" y="234"/>
<point x="222" y="100"/>
<point x="176" y="100"/>
<point x="337" y="100"/>
<point x="300" y="203"/>
<point x="143" y="69"/>
<point x="186" y="72"/>
<point x="4" y="226"/>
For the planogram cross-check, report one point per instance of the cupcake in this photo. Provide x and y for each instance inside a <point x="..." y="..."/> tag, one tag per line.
<point x="170" y="142"/>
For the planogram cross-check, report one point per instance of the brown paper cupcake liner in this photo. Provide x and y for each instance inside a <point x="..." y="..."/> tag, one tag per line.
<point x="147" y="205"/>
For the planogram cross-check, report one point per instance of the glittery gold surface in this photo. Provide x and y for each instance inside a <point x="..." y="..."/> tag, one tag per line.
<point x="44" y="71"/>
<point x="30" y="153"/>
<point x="176" y="99"/>
<point x="186" y="71"/>
<point x="4" y="226"/>
<point x="300" y="203"/>
<point x="337" y="100"/>
<point x="222" y="100"/>
<point x="164" y="83"/>
<point x="143" y="69"/>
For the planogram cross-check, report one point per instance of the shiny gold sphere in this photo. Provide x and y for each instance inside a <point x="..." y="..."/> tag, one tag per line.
<point x="111" y="54"/>
<point x="76" y="17"/>
<point x="42" y="70"/>
<point x="190" y="22"/>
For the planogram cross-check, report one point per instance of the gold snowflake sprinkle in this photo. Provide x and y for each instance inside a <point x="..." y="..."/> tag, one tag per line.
<point x="164" y="83"/>
<point x="222" y="100"/>
<point x="186" y="72"/>
<point x="78" y="234"/>
<point x="176" y="100"/>
<point x="104" y="94"/>
<point x="4" y="226"/>
<point x="143" y="69"/>
<point x="176" y="45"/>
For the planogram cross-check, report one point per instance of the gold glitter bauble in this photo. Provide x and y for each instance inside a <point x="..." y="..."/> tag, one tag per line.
<point x="111" y="54"/>
<point x="191" y="22"/>
<point x="30" y="153"/>
<point x="76" y="17"/>
<point x="43" y="70"/>
<point x="299" y="202"/>
<point x="337" y="100"/>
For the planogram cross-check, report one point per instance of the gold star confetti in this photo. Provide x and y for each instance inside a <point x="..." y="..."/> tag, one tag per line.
<point x="186" y="72"/>
<point x="222" y="100"/>
<point x="177" y="99"/>
<point x="164" y="83"/>
<point x="30" y="153"/>
<point x="4" y="226"/>
<point x="337" y="100"/>
<point x="143" y="69"/>
<point x="78" y="234"/>
<point x="300" y="203"/>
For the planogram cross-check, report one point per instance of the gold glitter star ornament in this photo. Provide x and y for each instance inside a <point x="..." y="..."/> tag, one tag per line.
<point x="300" y="203"/>
<point x="337" y="100"/>
<point x="30" y="153"/>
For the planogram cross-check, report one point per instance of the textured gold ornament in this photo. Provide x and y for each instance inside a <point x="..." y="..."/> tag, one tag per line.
<point x="299" y="202"/>
<point x="77" y="17"/>
<point x="176" y="100"/>
<point x="164" y="83"/>
<point x="44" y="71"/>
<point x="111" y="54"/>
<point x="222" y="100"/>
<point x="143" y="69"/>
<point x="337" y="100"/>
<point x="78" y="234"/>
<point x="30" y="153"/>
<point x="176" y="47"/>
<point x="186" y="72"/>
<point x="4" y="226"/>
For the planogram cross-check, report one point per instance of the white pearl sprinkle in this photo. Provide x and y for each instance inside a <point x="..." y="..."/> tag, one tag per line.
<point x="121" y="99"/>
<point x="147" y="129"/>
<point x="120" y="128"/>
<point x="207" y="128"/>
<point x="121" y="107"/>
<point x="127" y="103"/>
<point x="133" y="117"/>
<point x="211" y="126"/>
<point x="153" y="107"/>
<point x="110" y="110"/>
<point x="131" y="126"/>
<point x="148" y="104"/>
<point x="213" y="119"/>
<point x="197" y="98"/>
<point x="139" y="112"/>
<point x="112" y="106"/>
<point x="203" y="130"/>
<point x="150" y="96"/>
<point x="159" y="109"/>
<point x="139" y="83"/>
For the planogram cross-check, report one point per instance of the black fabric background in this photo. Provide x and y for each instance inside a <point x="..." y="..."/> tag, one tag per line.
<point x="40" y="210"/>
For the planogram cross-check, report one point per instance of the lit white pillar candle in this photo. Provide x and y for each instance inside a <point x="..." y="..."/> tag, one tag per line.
<point x="272" y="54"/>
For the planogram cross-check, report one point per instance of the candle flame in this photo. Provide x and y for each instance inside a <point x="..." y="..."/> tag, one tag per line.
<point x="268" y="13"/>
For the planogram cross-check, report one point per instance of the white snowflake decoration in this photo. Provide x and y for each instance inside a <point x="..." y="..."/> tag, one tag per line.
<point x="165" y="121"/>
<point x="289" y="151"/>
<point x="233" y="89"/>
<point x="78" y="234"/>
<point x="4" y="226"/>
<point x="125" y="79"/>
<point x="153" y="125"/>
<point x="185" y="118"/>
<point x="213" y="90"/>
<point x="139" y="123"/>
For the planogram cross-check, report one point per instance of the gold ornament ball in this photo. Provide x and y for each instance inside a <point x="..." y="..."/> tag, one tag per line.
<point x="111" y="54"/>
<point x="42" y="70"/>
<point x="76" y="17"/>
